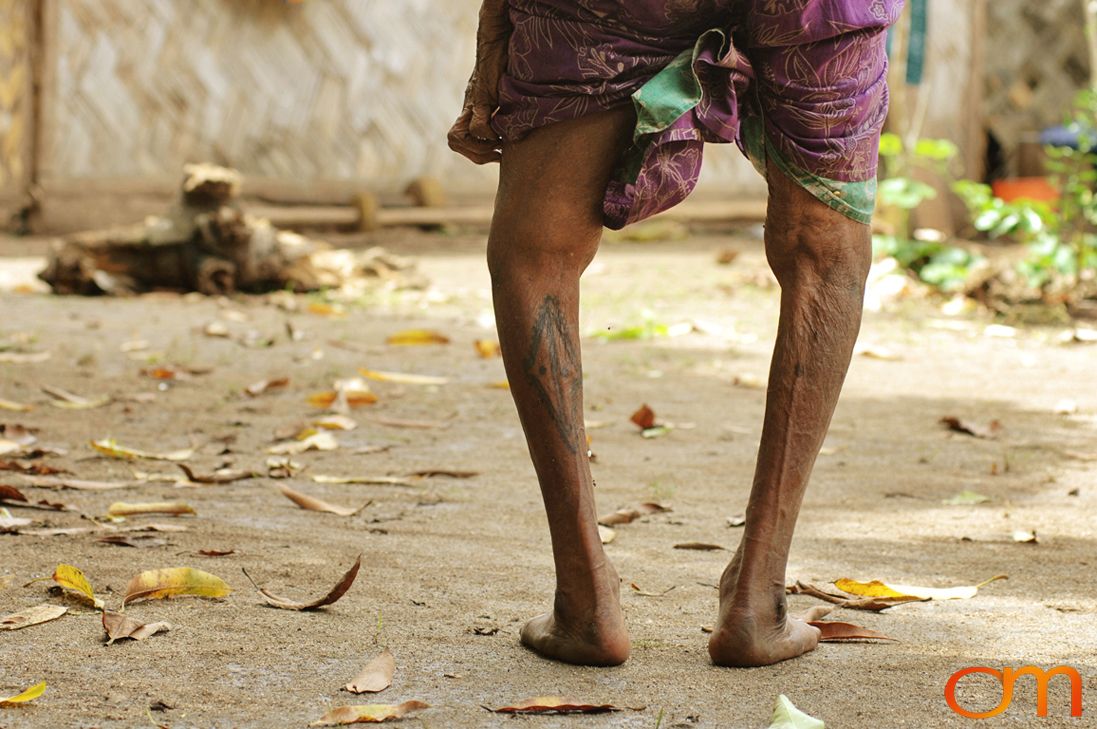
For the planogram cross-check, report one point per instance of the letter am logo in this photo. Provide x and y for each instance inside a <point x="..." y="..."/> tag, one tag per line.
<point x="1007" y="677"/>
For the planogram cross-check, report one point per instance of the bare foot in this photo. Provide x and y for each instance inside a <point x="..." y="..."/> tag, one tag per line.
<point x="589" y="631"/>
<point x="754" y="628"/>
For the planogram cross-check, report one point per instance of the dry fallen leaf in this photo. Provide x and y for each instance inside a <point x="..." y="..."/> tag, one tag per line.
<point x="72" y="578"/>
<point x="108" y="447"/>
<point x="49" y="482"/>
<point x="29" y="695"/>
<point x="376" y="676"/>
<point x="174" y="508"/>
<point x="120" y="625"/>
<point x="699" y="546"/>
<point x="310" y="503"/>
<point x="966" y="498"/>
<point x="222" y="475"/>
<point x="787" y="716"/>
<point x="352" y="393"/>
<point x="446" y="472"/>
<point x="1025" y="536"/>
<point x="335" y="422"/>
<point x="31" y="469"/>
<point x="334" y="594"/>
<point x="554" y="705"/>
<point x="487" y="348"/>
<point x="23" y="357"/>
<point x="32" y="616"/>
<point x="256" y="389"/>
<point x="605" y="534"/>
<point x="876" y="588"/>
<point x="736" y="521"/>
<point x="874" y="604"/>
<point x="989" y="431"/>
<point x="644" y="417"/>
<point x="835" y="632"/>
<point x="172" y="582"/>
<point x="16" y="407"/>
<point x="402" y="378"/>
<point x="71" y="401"/>
<point x="368" y="713"/>
<point x="9" y="523"/>
<point x="417" y="336"/>
<point x="644" y="593"/>
<point x="132" y="540"/>
<point x="627" y="516"/>
<point x="320" y="441"/>
<point x="15" y="497"/>
<point x="367" y="480"/>
<point x="216" y="552"/>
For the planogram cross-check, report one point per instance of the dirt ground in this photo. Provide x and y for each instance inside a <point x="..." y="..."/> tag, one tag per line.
<point x="448" y="558"/>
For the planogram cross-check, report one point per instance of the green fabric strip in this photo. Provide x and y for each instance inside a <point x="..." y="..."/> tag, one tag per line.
<point x="855" y="200"/>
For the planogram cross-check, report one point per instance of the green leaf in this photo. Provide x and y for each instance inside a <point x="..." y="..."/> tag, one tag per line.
<point x="787" y="716"/>
<point x="891" y="145"/>
<point x="939" y="150"/>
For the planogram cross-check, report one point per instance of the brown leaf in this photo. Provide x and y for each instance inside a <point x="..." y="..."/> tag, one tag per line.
<point x="224" y="475"/>
<point x="30" y="469"/>
<point x="216" y="552"/>
<point x="988" y="431"/>
<point x="310" y="503"/>
<point x="132" y="540"/>
<point x="258" y="388"/>
<point x="336" y="592"/>
<point x="644" y="593"/>
<point x="644" y="417"/>
<point x="368" y="713"/>
<point x="448" y="473"/>
<point x="376" y="676"/>
<point x="32" y="616"/>
<point x="834" y="632"/>
<point x="120" y="625"/>
<point x="699" y="546"/>
<point x="15" y="497"/>
<point x="873" y="604"/>
<point x="627" y="516"/>
<point x="554" y="705"/>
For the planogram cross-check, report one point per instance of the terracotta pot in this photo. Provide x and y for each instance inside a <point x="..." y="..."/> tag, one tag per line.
<point x="1025" y="188"/>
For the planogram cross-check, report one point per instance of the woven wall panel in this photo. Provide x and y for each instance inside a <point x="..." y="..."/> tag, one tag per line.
<point x="321" y="90"/>
<point x="15" y="99"/>
<point x="1037" y="61"/>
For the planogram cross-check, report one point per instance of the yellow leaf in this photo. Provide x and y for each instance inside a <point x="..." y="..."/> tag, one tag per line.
<point x="368" y="713"/>
<point x="174" y="581"/>
<point x="402" y="378"/>
<point x="876" y="588"/>
<point x="487" y="348"/>
<point x="417" y="336"/>
<point x="355" y="398"/>
<point x="29" y="695"/>
<point x="121" y="508"/>
<point x="109" y="447"/>
<point x="72" y="578"/>
<point x="501" y="385"/>
<point x="14" y="406"/>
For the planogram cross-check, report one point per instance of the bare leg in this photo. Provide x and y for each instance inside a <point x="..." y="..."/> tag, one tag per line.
<point x="821" y="259"/>
<point x="547" y="226"/>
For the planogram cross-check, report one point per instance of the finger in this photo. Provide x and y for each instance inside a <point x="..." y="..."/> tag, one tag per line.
<point x="480" y="126"/>
<point x="478" y="152"/>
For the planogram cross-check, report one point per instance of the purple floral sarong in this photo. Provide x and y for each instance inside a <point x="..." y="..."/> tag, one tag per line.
<point x="800" y="83"/>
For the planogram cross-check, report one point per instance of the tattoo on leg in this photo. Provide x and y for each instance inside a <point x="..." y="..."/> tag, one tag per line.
<point x="554" y="370"/>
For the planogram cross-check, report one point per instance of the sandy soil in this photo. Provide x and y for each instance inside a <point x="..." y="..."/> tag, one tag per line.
<point x="448" y="557"/>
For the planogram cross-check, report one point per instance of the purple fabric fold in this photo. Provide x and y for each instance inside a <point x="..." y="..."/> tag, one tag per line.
<point x="812" y="73"/>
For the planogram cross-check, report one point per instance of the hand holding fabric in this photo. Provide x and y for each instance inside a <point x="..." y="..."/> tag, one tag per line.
<point x="472" y="135"/>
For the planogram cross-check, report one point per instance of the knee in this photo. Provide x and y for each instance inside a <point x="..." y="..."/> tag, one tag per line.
<point x="538" y="246"/>
<point x="808" y="242"/>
